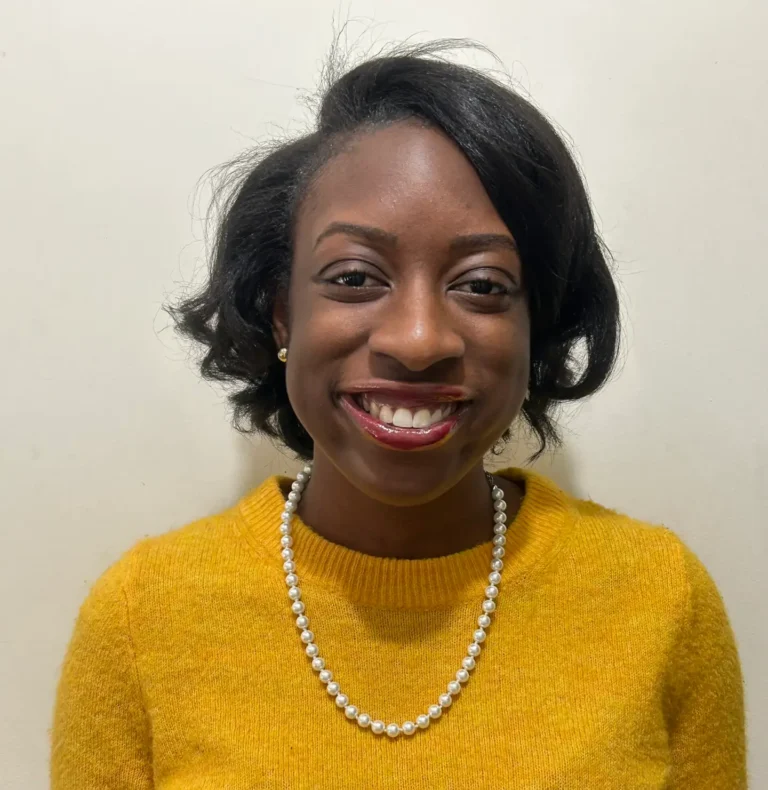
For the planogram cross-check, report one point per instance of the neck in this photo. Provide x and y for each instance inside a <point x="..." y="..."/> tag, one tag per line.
<point x="460" y="518"/>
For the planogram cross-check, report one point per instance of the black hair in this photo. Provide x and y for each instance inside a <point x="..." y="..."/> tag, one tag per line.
<point x="526" y="169"/>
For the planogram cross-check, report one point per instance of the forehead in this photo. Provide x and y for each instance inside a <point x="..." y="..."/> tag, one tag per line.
<point x="405" y="178"/>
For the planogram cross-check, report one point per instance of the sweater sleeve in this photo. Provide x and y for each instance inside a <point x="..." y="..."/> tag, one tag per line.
<point x="101" y="735"/>
<point x="705" y="697"/>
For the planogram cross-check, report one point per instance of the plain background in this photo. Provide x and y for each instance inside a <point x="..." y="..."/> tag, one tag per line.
<point x="111" y="111"/>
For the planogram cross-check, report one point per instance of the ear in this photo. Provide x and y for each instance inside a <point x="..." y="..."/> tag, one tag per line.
<point x="280" y="319"/>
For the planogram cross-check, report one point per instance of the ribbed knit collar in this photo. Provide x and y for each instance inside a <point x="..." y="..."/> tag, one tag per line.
<point x="410" y="584"/>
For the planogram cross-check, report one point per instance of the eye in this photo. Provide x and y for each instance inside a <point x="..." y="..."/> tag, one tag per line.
<point x="354" y="279"/>
<point x="483" y="286"/>
<point x="353" y="275"/>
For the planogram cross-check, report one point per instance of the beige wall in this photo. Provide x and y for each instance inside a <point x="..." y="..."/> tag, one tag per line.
<point x="110" y="113"/>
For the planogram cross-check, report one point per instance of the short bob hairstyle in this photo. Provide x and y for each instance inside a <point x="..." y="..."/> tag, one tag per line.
<point x="525" y="167"/>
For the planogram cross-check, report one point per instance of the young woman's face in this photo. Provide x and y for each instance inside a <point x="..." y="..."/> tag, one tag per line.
<point x="407" y="324"/>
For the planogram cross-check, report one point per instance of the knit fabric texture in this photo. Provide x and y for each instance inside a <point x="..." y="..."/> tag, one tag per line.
<point x="610" y="662"/>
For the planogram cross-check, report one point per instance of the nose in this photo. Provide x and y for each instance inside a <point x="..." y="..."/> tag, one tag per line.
<point x="415" y="328"/>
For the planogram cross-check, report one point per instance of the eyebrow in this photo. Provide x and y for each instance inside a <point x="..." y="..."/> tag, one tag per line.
<point x="477" y="242"/>
<point x="474" y="242"/>
<point x="365" y="232"/>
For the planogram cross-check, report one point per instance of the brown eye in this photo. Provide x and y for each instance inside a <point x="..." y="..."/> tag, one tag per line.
<point x="352" y="279"/>
<point x="482" y="287"/>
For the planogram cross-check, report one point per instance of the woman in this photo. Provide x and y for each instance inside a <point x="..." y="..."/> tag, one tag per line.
<point x="389" y="294"/>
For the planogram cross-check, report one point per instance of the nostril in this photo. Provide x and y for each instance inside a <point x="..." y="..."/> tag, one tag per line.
<point x="418" y="354"/>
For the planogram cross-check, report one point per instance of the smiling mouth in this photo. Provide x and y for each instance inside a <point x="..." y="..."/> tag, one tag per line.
<point x="403" y="423"/>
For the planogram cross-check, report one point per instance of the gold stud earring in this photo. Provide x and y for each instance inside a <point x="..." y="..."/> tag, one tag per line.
<point x="282" y="354"/>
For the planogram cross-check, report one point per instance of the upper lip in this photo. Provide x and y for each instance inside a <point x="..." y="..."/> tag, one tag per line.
<point x="407" y="392"/>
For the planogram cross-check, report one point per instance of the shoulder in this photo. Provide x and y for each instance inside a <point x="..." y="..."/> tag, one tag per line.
<point x="621" y="554"/>
<point x="649" y="560"/>
<point x="215" y="549"/>
<point x="628" y="545"/>
<point x="647" y="574"/>
<point x="632" y="538"/>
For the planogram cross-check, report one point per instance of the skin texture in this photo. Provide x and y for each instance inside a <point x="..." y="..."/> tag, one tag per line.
<point x="398" y="303"/>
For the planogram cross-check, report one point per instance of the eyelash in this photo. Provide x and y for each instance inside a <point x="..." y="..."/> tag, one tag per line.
<point x="353" y="273"/>
<point x="503" y="289"/>
<point x="339" y="279"/>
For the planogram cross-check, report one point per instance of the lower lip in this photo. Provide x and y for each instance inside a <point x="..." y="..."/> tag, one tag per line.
<point x="400" y="438"/>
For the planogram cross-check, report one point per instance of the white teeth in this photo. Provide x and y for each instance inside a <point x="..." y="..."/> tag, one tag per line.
<point x="406" y="418"/>
<point x="403" y="418"/>
<point x="422" y="419"/>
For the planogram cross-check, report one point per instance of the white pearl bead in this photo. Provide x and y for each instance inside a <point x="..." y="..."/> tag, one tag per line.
<point x="318" y="664"/>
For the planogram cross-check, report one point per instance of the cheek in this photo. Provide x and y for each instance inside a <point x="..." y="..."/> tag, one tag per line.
<point x="324" y="332"/>
<point x="504" y="342"/>
<point x="503" y="357"/>
<point x="322" y="337"/>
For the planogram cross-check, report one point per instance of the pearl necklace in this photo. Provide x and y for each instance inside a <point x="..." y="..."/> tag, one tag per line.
<point x="364" y="720"/>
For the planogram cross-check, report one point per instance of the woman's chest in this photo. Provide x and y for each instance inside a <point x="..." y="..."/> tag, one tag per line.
<point x="240" y="720"/>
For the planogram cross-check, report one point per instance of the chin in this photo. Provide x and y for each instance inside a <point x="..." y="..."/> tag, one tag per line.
<point x="408" y="477"/>
<point x="404" y="482"/>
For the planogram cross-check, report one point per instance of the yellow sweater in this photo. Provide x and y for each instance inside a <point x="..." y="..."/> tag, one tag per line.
<point x="610" y="662"/>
